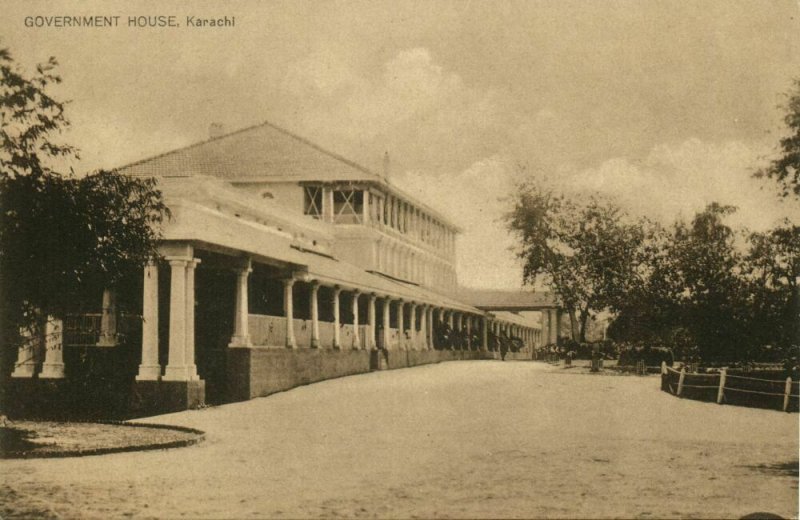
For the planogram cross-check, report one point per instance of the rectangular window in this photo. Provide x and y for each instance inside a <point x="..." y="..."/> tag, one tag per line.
<point x="348" y="206"/>
<point x="313" y="201"/>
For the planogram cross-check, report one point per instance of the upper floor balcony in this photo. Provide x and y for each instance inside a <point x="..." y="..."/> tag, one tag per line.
<point x="371" y="204"/>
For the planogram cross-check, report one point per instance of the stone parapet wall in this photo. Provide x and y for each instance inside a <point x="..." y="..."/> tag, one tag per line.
<point x="254" y="372"/>
<point x="258" y="371"/>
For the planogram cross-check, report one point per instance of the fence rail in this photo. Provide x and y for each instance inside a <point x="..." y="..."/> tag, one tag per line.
<point x="83" y="330"/>
<point x="724" y="388"/>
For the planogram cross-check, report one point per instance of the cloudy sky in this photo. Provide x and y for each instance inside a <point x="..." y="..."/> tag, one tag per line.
<point x="664" y="105"/>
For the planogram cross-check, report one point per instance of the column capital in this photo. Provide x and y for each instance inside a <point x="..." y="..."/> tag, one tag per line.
<point x="288" y="281"/>
<point x="243" y="263"/>
<point x="178" y="261"/>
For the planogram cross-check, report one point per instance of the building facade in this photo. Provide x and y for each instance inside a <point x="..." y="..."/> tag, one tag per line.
<point x="284" y="264"/>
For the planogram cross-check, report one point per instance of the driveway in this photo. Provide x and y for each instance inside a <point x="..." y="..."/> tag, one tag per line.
<point x="459" y="439"/>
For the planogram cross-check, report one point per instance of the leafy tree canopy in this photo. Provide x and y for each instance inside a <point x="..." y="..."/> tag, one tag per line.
<point x="786" y="168"/>
<point x="61" y="236"/>
<point x="584" y="250"/>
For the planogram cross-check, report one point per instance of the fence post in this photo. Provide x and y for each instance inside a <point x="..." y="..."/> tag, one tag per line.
<point x="680" y="381"/>
<point x="786" y="393"/>
<point x="721" y="392"/>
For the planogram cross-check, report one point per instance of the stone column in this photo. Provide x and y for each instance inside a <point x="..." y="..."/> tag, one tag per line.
<point x="469" y="332"/>
<point x="176" y="367"/>
<point x="53" y="366"/>
<point x="423" y="326"/>
<point x="356" y="333"/>
<point x="412" y="326"/>
<point x="430" y="328"/>
<point x="548" y="325"/>
<point x="150" y="369"/>
<point x="550" y="335"/>
<point x="401" y="334"/>
<point x="371" y="318"/>
<point x="191" y="367"/>
<point x="450" y="319"/>
<point x="485" y="334"/>
<point x="365" y="203"/>
<point x="386" y="303"/>
<point x="108" y="321"/>
<point x="314" y="301"/>
<point x="557" y="313"/>
<point x="288" y="309"/>
<point x="241" y="332"/>
<point x="337" y="337"/>
<point x="327" y="205"/>
<point x="30" y="338"/>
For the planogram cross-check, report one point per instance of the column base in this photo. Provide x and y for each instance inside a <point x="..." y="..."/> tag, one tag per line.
<point x="107" y="341"/>
<point x="24" y="370"/>
<point x="173" y="373"/>
<point x="52" y="371"/>
<point x="240" y="341"/>
<point x="154" y="397"/>
<point x="191" y="371"/>
<point x="149" y="373"/>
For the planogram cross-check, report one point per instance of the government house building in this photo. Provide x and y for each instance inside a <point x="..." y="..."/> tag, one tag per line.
<point x="282" y="264"/>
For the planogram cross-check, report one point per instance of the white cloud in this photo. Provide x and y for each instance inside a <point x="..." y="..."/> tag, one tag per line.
<point x="424" y="115"/>
<point x="678" y="180"/>
<point x="457" y="147"/>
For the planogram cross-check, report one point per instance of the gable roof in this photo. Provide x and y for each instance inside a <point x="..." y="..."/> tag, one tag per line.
<point x="260" y="151"/>
<point x="265" y="153"/>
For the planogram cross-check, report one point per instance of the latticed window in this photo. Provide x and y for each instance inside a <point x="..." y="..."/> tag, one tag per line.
<point x="313" y="201"/>
<point x="347" y="206"/>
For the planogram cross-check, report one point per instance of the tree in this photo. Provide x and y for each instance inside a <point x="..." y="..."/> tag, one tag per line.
<point x="708" y="295"/>
<point x="712" y="304"/>
<point x="771" y="268"/>
<point x="786" y="168"/>
<point x="61" y="236"/>
<point x="585" y="252"/>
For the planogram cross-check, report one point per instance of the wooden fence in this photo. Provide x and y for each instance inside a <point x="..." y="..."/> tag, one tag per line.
<point x="769" y="391"/>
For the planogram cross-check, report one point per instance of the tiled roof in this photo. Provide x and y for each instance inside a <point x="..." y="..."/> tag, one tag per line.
<point x="507" y="300"/>
<point x="259" y="151"/>
<point x="265" y="152"/>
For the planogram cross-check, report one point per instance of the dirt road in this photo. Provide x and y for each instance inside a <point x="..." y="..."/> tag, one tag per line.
<point x="461" y="439"/>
